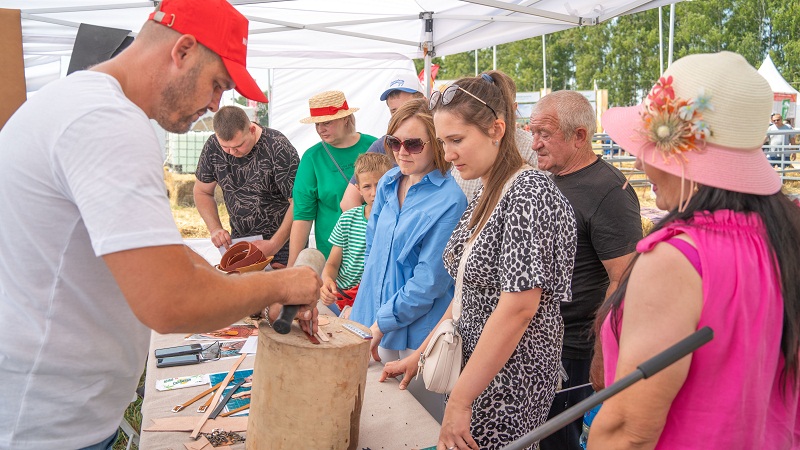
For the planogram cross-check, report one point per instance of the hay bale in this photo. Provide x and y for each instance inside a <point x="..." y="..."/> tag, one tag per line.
<point x="180" y="190"/>
<point x="647" y="225"/>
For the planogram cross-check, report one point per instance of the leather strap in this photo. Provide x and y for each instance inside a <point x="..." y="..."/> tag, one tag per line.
<point x="202" y="408"/>
<point x="185" y="423"/>
<point x="234" y="411"/>
<point x="243" y="257"/>
<point x="197" y="397"/>
<point x="218" y="395"/>
<point x="221" y="405"/>
<point x="239" y="255"/>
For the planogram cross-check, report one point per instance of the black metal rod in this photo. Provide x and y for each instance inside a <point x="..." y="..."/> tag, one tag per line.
<point x="283" y="324"/>
<point x="645" y="370"/>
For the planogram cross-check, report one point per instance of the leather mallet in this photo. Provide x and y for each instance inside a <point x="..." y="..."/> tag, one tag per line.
<point x="309" y="257"/>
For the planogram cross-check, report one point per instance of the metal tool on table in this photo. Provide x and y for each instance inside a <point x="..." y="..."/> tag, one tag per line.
<point x="357" y="331"/>
<point x="224" y="401"/>
<point x="314" y="259"/>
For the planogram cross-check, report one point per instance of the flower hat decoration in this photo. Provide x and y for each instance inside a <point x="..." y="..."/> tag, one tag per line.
<point x="706" y="119"/>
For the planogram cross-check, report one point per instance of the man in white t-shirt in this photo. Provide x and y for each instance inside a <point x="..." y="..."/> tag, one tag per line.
<point x="91" y="259"/>
<point x="778" y="143"/>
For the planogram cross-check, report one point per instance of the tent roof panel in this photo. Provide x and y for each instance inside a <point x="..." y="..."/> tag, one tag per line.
<point x="368" y="27"/>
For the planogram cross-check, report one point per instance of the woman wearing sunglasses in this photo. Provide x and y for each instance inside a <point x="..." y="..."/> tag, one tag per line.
<point x="522" y="236"/>
<point x="405" y="288"/>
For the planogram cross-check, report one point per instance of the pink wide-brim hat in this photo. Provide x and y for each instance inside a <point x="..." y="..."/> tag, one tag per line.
<point x="734" y="103"/>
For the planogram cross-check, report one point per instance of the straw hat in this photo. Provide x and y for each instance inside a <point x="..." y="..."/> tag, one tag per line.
<point x="705" y="120"/>
<point x="329" y="105"/>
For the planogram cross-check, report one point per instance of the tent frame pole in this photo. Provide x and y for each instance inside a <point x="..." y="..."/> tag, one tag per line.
<point x="428" y="50"/>
<point x="660" y="42"/>
<point x="671" y="32"/>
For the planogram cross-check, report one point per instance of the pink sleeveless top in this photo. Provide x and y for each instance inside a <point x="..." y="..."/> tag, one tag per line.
<point x="732" y="397"/>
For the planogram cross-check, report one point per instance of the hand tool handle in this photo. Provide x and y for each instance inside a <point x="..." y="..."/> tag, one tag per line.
<point x="645" y="370"/>
<point x="309" y="257"/>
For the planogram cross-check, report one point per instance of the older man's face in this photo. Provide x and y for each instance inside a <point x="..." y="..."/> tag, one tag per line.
<point x="553" y="150"/>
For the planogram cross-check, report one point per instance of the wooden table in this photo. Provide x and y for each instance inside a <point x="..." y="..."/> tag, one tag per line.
<point x="390" y="418"/>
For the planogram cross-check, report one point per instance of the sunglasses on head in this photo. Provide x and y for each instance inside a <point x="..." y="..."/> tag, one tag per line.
<point x="412" y="146"/>
<point x="447" y="96"/>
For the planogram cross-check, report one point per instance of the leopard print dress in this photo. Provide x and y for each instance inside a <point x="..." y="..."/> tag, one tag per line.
<point x="528" y="242"/>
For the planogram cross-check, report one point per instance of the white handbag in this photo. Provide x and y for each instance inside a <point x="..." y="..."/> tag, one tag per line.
<point x="440" y="363"/>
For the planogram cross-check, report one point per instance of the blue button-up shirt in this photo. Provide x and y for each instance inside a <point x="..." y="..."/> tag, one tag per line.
<point x="405" y="287"/>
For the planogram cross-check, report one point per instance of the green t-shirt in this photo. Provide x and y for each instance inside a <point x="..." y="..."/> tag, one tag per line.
<point x="350" y="233"/>
<point x="319" y="187"/>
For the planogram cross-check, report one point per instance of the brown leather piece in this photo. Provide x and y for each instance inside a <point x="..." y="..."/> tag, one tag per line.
<point x="243" y="257"/>
<point x="186" y="423"/>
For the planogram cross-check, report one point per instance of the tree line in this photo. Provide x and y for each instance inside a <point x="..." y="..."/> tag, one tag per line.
<point x="622" y="54"/>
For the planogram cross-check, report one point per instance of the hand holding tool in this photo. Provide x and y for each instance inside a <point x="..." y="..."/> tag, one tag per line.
<point x="314" y="259"/>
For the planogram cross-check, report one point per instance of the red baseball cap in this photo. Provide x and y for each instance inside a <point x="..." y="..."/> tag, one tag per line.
<point x="220" y="27"/>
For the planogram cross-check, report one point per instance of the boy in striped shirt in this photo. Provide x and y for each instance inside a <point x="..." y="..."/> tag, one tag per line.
<point x="345" y="264"/>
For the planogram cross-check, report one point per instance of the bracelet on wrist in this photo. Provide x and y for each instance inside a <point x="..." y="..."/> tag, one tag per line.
<point x="266" y="316"/>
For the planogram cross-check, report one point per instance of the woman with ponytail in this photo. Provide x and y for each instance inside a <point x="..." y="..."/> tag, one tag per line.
<point x="521" y="232"/>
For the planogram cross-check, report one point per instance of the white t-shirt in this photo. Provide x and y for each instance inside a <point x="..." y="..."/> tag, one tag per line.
<point x="776" y="141"/>
<point x="80" y="177"/>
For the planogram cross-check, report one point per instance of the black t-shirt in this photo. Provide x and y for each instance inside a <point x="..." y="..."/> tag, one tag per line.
<point x="609" y="225"/>
<point x="256" y="187"/>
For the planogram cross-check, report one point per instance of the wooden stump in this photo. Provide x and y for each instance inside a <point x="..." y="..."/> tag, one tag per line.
<point x="305" y="395"/>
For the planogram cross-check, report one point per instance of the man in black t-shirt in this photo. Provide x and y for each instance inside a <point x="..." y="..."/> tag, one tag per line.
<point x="255" y="167"/>
<point x="608" y="225"/>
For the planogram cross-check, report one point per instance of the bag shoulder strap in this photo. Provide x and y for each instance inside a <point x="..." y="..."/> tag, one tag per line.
<point x="468" y="249"/>
<point x="334" y="162"/>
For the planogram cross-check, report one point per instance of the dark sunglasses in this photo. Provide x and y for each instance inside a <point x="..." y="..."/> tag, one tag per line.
<point x="447" y="96"/>
<point x="412" y="146"/>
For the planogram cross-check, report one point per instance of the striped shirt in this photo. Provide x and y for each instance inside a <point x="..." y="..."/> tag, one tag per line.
<point x="350" y="234"/>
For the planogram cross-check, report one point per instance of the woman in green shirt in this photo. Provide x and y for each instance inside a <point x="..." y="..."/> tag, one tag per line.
<point x="325" y="170"/>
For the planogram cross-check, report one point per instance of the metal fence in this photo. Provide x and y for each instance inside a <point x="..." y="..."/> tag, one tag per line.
<point x="784" y="158"/>
<point x="182" y="151"/>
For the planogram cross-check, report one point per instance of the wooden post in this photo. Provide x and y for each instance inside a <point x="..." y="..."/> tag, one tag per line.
<point x="307" y="395"/>
<point x="12" y="70"/>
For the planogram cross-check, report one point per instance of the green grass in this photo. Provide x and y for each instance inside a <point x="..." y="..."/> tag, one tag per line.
<point x="134" y="417"/>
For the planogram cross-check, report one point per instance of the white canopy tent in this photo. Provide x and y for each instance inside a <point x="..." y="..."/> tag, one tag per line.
<point x="301" y="47"/>
<point x="779" y="86"/>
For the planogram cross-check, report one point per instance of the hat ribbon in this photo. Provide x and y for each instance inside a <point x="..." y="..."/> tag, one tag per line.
<point x="328" y="110"/>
